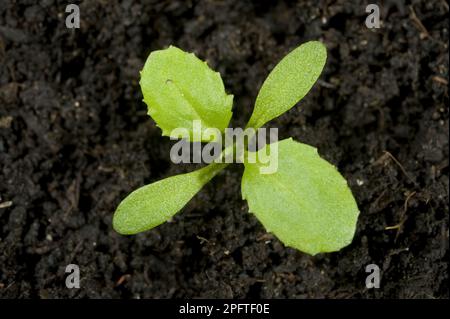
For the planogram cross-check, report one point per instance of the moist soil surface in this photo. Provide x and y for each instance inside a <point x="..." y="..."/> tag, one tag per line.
<point x="75" y="140"/>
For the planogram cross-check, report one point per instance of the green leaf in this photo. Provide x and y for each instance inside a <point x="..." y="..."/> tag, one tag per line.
<point x="306" y="203"/>
<point x="179" y="88"/>
<point x="289" y="82"/>
<point x="153" y="204"/>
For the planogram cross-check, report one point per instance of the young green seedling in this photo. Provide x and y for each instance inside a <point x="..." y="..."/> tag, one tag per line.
<point x="306" y="203"/>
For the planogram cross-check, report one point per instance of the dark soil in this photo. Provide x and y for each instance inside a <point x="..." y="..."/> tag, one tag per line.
<point x="75" y="140"/>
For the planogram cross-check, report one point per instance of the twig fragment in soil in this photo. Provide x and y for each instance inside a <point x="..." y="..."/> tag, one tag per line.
<point x="396" y="161"/>
<point x="403" y="217"/>
<point x="75" y="251"/>
<point x="73" y="194"/>
<point x="326" y="84"/>
<point x="439" y="80"/>
<point x="202" y="239"/>
<point x="6" y="204"/>
<point x="445" y="4"/>
<point x="267" y="238"/>
<point x="122" y="279"/>
<point x="423" y="31"/>
<point x="2" y="285"/>
<point x="109" y="169"/>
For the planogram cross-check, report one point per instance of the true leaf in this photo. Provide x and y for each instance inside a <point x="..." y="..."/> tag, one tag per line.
<point x="153" y="204"/>
<point x="289" y="82"/>
<point x="179" y="88"/>
<point x="306" y="203"/>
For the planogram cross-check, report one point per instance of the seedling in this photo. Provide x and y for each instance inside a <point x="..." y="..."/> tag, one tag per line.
<point x="306" y="203"/>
